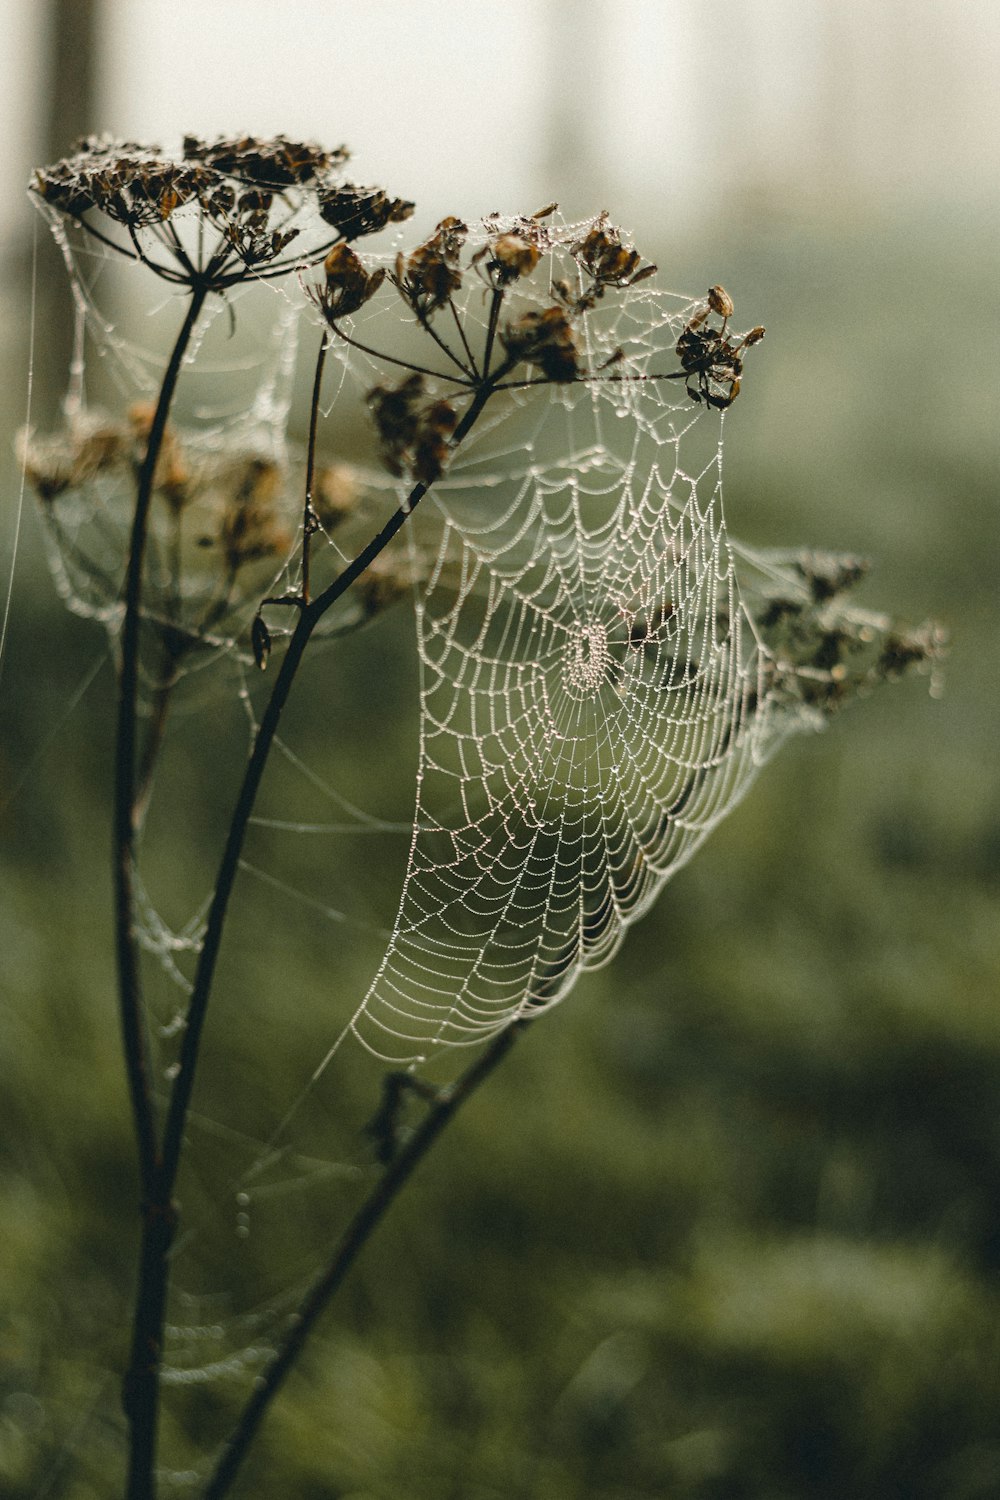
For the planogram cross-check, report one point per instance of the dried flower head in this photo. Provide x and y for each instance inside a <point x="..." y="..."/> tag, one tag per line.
<point x="413" y="430"/>
<point x="432" y="273"/>
<point x="275" y="162"/>
<point x="252" y="527"/>
<point x="358" y="211"/>
<point x="347" y="285"/>
<point x="544" y="339"/>
<point x="506" y="257"/>
<point x="250" y="196"/>
<point x="710" y="357"/>
<point x="607" y="261"/>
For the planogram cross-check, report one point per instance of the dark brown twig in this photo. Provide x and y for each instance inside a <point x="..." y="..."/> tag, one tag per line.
<point x="355" y="1237"/>
<point x="309" y="521"/>
<point x="142" y="1382"/>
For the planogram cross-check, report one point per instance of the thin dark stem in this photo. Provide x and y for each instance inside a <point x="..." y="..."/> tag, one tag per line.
<point x="309" y="617"/>
<point x="352" y="1242"/>
<point x="153" y="265"/>
<point x="461" y="333"/>
<point x="279" y="267"/>
<point x="424" y="320"/>
<point x="309" y="521"/>
<point x="392" y="360"/>
<point x="133" y="1038"/>
<point x="155" y="733"/>
<point x="596" y="379"/>
<point x="104" y="238"/>
<point x="491" y="329"/>
<point x="141" y="1387"/>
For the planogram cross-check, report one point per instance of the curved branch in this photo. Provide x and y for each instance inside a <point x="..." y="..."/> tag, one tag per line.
<point x="355" y="1237"/>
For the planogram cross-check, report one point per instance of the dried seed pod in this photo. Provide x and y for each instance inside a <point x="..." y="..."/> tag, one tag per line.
<point x="720" y="301"/>
<point x="348" y="285"/>
<point x="260" y="641"/>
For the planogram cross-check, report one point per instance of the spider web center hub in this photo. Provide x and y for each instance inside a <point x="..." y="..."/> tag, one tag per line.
<point x="587" y="659"/>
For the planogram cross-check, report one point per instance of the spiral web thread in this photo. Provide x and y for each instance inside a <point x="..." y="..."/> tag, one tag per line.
<point x="594" y="693"/>
<point x="593" y="702"/>
<point x="597" y="687"/>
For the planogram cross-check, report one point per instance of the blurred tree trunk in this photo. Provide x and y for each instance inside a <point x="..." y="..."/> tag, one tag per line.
<point x="70" y="95"/>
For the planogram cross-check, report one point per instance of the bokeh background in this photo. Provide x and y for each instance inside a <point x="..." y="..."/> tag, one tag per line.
<point x="728" y="1224"/>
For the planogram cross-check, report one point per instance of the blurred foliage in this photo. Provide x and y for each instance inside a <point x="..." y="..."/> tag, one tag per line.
<point x="727" y="1224"/>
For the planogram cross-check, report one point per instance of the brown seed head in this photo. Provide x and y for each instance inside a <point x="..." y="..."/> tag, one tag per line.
<point x="720" y="301"/>
<point x="348" y="284"/>
<point x="429" y="276"/>
<point x="545" y="340"/>
<point x="359" y="211"/>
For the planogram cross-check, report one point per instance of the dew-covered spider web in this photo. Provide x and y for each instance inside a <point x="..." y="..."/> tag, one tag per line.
<point x="599" y="676"/>
<point x="594" y="699"/>
<point x="602" y="672"/>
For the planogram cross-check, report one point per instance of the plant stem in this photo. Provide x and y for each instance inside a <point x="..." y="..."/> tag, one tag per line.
<point x="309" y="617"/>
<point x="140" y="1395"/>
<point x="353" y="1240"/>
<point x="141" y="1389"/>
<point x="133" y="1038"/>
<point x="309" y="514"/>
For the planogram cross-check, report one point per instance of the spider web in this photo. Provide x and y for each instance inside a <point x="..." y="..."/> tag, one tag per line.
<point x="595" y="695"/>
<point x="594" y="699"/>
<point x="597" y="691"/>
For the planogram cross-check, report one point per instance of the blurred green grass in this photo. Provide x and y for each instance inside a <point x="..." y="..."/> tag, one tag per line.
<point x="727" y="1224"/>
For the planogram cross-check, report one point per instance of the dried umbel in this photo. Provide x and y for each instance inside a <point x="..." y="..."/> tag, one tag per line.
<point x="712" y="360"/>
<point x="249" y="199"/>
<point x="413" y="430"/>
<point x="514" y="327"/>
<point x="823" y="651"/>
<point x="544" y="340"/>
<point x="431" y="275"/>
<point x="347" y="285"/>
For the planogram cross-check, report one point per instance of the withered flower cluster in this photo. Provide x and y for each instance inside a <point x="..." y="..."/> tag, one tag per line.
<point x="710" y="357"/>
<point x="248" y="197"/>
<point x="414" y="429"/>
<point x="428" y="277"/>
<point x="825" y="652"/>
<point x="417" y="431"/>
<point x="346" y="286"/>
<point x="544" y="340"/>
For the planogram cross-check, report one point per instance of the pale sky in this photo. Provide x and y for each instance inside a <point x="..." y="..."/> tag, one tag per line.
<point x="660" y="110"/>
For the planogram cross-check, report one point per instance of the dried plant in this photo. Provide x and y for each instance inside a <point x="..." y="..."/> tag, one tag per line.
<point x="217" y="214"/>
